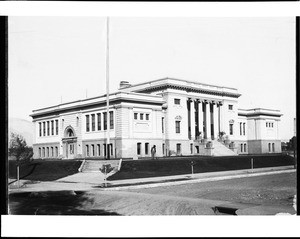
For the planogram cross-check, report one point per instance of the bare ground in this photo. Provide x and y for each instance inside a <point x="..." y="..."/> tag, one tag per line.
<point x="198" y="198"/>
<point x="188" y="199"/>
<point x="268" y="190"/>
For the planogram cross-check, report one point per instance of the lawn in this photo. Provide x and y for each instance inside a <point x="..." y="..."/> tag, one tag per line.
<point x="44" y="170"/>
<point x="178" y="166"/>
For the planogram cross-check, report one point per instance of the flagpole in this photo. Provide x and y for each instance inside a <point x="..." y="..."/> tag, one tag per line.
<point x="107" y="90"/>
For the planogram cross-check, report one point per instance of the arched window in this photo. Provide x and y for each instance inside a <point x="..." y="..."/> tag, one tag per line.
<point x="69" y="132"/>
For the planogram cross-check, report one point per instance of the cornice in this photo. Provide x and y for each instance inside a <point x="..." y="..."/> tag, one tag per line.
<point x="187" y="89"/>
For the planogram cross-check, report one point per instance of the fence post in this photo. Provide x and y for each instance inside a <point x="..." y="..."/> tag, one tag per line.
<point x="192" y="165"/>
<point x="252" y="164"/>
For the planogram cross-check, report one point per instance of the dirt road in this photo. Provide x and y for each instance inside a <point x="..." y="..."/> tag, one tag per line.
<point x="269" y="189"/>
<point x="188" y="199"/>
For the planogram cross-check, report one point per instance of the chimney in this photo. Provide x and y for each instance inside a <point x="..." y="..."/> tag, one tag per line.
<point x="124" y="84"/>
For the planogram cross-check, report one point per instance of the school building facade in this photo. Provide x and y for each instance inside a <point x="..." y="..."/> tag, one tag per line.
<point x="180" y="117"/>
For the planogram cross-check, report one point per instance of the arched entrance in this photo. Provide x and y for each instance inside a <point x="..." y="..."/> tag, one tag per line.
<point x="69" y="143"/>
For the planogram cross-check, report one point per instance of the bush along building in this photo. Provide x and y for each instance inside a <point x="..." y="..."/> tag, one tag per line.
<point x="179" y="117"/>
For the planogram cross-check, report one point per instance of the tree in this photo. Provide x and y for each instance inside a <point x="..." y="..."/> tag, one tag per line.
<point x="292" y="144"/>
<point x="18" y="148"/>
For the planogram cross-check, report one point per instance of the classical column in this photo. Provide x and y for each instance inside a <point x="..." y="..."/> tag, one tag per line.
<point x="188" y="103"/>
<point x="192" y="110"/>
<point x="204" y="120"/>
<point x="219" y="119"/>
<point x="200" y="117"/>
<point x="215" y="121"/>
<point x="208" y="120"/>
<point x="196" y="129"/>
<point x="221" y="123"/>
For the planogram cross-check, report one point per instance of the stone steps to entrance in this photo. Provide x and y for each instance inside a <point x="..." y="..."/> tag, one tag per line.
<point x="221" y="150"/>
<point x="95" y="165"/>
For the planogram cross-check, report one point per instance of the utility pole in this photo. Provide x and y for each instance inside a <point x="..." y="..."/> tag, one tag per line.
<point x="107" y="91"/>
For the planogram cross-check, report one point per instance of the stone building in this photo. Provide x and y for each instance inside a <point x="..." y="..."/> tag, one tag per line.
<point x="178" y="116"/>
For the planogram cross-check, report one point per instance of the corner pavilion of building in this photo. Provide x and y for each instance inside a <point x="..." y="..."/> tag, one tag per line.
<point x="180" y="117"/>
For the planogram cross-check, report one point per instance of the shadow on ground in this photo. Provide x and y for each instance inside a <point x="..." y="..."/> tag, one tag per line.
<point x="52" y="203"/>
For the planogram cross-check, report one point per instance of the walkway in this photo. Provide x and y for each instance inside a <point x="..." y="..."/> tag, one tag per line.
<point x="92" y="180"/>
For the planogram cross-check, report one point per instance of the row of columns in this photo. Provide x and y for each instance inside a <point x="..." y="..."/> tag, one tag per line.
<point x="204" y="116"/>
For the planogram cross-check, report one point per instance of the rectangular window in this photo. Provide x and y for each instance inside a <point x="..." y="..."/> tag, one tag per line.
<point x="177" y="126"/>
<point x="245" y="147"/>
<point x="98" y="150"/>
<point x="135" y="116"/>
<point x="163" y="149"/>
<point x="47" y="152"/>
<point x="141" y="116"/>
<point x="98" y="121"/>
<point x="48" y="128"/>
<point x="273" y="147"/>
<point x="93" y="122"/>
<point x="244" y="128"/>
<point x="240" y="128"/>
<point x="87" y="151"/>
<point x="177" y="101"/>
<point x="40" y="152"/>
<point x="44" y="128"/>
<point x="40" y="129"/>
<point x="52" y="152"/>
<point x="138" y="151"/>
<point x="231" y="129"/>
<point x="197" y="149"/>
<point x="52" y="127"/>
<point x="111" y="119"/>
<point x="104" y="147"/>
<point x="43" y="152"/>
<point x="269" y="147"/>
<point x="178" y="149"/>
<point x="87" y="123"/>
<point x="272" y="125"/>
<point x="146" y="148"/>
<point x="266" y="124"/>
<point x="93" y="150"/>
<point x="56" y="151"/>
<point x="230" y="107"/>
<point x="56" y="125"/>
<point x="241" y="147"/>
<point x="111" y="149"/>
<point x="105" y="120"/>
<point x="147" y="116"/>
<point x="162" y="124"/>
<point x="191" y="148"/>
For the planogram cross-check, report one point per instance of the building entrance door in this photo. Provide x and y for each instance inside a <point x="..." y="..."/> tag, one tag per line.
<point x="69" y="143"/>
<point x="70" y="150"/>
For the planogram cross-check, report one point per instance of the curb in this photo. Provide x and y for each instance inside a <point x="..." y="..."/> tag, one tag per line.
<point x="188" y="181"/>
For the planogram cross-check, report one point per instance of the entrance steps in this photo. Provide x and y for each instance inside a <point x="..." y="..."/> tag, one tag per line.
<point x="93" y="166"/>
<point x="220" y="149"/>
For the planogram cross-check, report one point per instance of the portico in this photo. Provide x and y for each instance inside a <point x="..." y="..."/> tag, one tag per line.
<point x="204" y="118"/>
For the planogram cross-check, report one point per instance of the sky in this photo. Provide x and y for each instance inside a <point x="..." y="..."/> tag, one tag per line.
<point x="60" y="59"/>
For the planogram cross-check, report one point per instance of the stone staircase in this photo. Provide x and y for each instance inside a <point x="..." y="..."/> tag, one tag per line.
<point x="220" y="149"/>
<point x="93" y="166"/>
